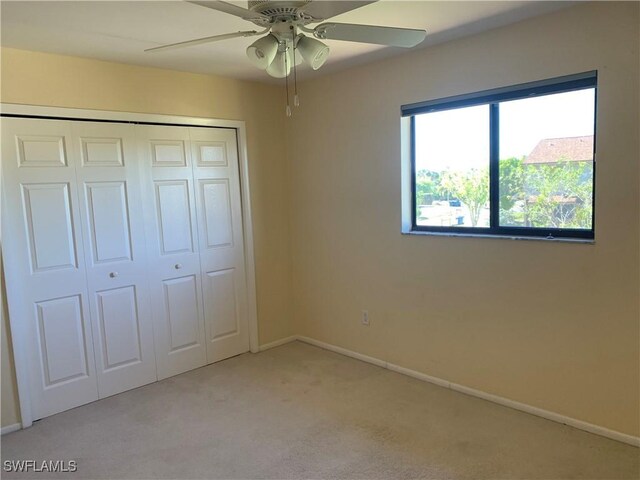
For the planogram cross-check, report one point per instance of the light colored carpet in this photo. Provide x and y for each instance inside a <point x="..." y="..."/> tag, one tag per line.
<point x="301" y="412"/>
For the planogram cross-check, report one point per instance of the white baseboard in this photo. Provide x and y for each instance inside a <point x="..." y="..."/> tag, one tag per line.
<point x="523" y="407"/>
<point x="343" y="351"/>
<point x="10" y="428"/>
<point x="277" y="343"/>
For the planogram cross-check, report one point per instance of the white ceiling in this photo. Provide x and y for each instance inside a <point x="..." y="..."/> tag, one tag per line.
<point x="119" y="31"/>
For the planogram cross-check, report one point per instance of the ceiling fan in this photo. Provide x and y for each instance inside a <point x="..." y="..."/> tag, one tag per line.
<point x="284" y="22"/>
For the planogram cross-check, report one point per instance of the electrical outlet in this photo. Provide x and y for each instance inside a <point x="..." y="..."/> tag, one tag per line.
<point x="365" y="317"/>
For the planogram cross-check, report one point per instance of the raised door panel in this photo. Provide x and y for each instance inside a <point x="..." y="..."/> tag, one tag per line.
<point x="211" y="153"/>
<point x="62" y="340"/>
<point x="225" y="314"/>
<point x="49" y="224"/>
<point x="214" y="147"/>
<point x="168" y="153"/>
<point x="181" y="312"/>
<point x="102" y="152"/>
<point x="174" y="216"/>
<point x="221" y="310"/>
<point x="60" y="354"/>
<point x="41" y="151"/>
<point x="119" y="327"/>
<point x="109" y="221"/>
<point x="216" y="204"/>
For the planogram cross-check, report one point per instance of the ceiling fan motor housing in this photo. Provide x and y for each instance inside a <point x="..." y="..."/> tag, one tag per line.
<point x="276" y="8"/>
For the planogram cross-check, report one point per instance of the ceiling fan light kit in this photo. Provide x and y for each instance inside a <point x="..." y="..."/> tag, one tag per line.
<point x="313" y="51"/>
<point x="266" y="51"/>
<point x="281" y="65"/>
<point x="263" y="51"/>
<point x="284" y="21"/>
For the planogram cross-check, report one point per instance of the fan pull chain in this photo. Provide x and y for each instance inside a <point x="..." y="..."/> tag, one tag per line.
<point x="286" y="82"/>
<point x="296" y="101"/>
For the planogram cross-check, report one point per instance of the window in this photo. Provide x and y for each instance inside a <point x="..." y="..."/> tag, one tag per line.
<point x="515" y="161"/>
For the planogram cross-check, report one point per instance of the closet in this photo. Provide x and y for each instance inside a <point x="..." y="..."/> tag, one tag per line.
<point x="127" y="253"/>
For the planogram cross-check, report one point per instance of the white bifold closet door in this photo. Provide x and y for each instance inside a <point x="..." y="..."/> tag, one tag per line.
<point x="41" y="236"/>
<point x="74" y="230"/>
<point x="172" y="234"/>
<point x="125" y="252"/>
<point x="215" y="165"/>
<point x="196" y="245"/>
<point x="109" y="186"/>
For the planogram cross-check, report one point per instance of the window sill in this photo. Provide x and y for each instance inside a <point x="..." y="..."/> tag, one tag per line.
<point x="588" y="241"/>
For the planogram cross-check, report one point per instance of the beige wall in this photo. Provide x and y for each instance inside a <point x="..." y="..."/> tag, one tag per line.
<point x="551" y="325"/>
<point x="10" y="411"/>
<point x="547" y="324"/>
<point x="44" y="79"/>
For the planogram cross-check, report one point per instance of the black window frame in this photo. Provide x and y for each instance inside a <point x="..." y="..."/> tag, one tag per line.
<point x="492" y="98"/>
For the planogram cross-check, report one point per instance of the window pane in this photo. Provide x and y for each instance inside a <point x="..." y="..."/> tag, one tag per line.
<point x="546" y="161"/>
<point x="452" y="167"/>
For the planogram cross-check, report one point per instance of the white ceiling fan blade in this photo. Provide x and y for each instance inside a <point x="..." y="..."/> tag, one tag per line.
<point x="198" y="41"/>
<point x="324" y="9"/>
<point x="395" y="37"/>
<point x="232" y="9"/>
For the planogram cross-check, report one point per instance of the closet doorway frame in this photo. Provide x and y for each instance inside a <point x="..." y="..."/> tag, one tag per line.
<point x="18" y="332"/>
